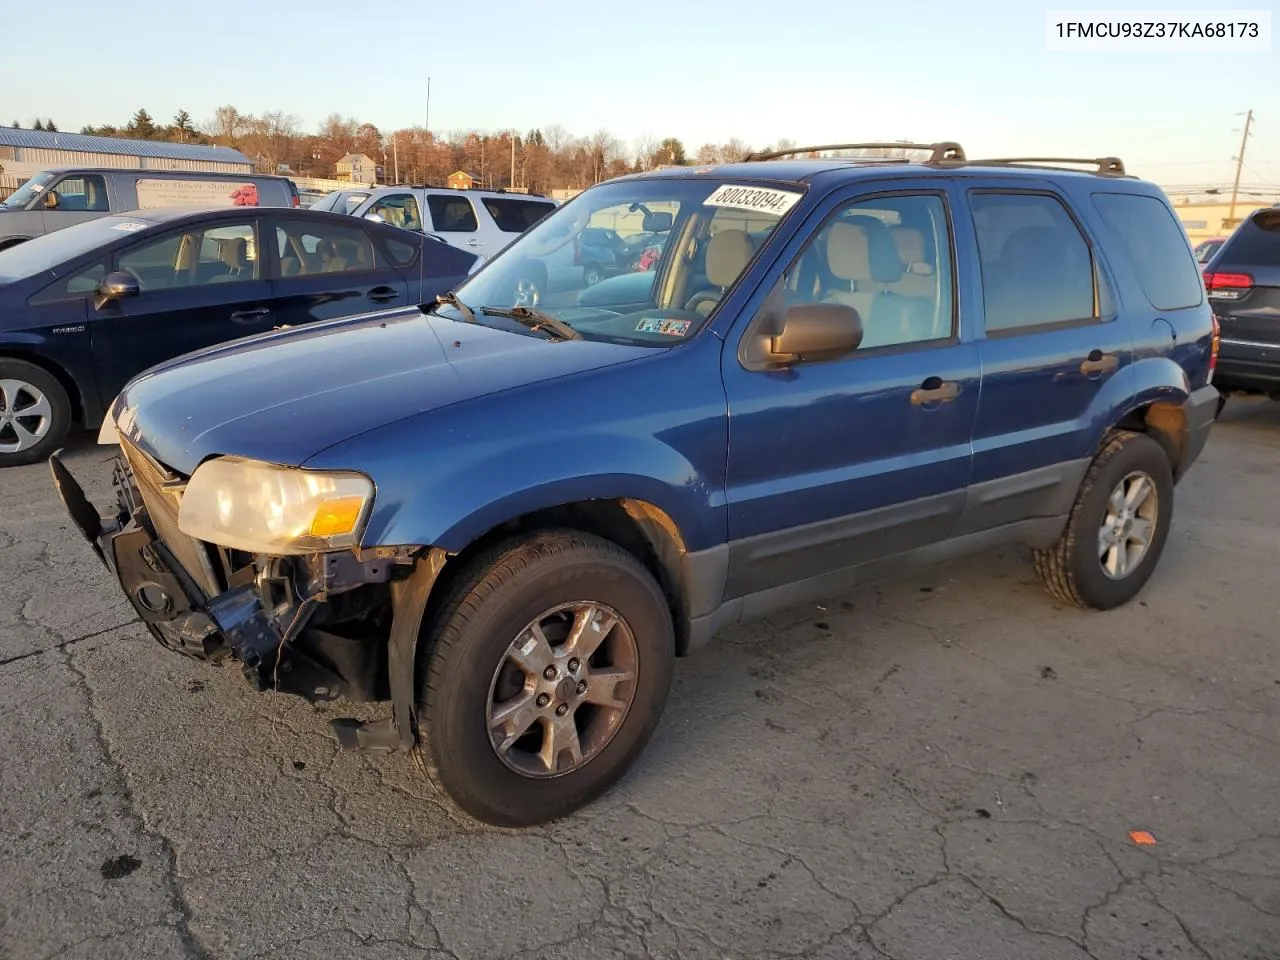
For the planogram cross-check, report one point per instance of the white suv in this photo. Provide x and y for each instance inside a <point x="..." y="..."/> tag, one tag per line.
<point x="478" y="221"/>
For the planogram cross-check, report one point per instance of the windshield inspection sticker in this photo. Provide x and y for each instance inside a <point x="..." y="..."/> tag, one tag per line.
<point x="130" y="226"/>
<point x="670" y="328"/>
<point x="760" y="199"/>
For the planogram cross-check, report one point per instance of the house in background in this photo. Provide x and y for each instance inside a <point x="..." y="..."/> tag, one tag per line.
<point x="357" y="168"/>
<point x="460" y="180"/>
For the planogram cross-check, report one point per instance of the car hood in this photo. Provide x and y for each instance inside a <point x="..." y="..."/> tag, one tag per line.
<point x="285" y="396"/>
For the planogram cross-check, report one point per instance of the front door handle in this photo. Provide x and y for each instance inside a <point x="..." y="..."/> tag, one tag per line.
<point x="935" y="390"/>
<point x="1099" y="362"/>
<point x="379" y="294"/>
<point x="473" y="242"/>
<point x="248" y="316"/>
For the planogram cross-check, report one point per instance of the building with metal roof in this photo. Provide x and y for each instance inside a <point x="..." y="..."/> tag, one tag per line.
<point x="24" y="153"/>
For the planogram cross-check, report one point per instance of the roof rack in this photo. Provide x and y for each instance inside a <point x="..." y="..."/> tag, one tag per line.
<point x="1113" y="166"/>
<point x="938" y="152"/>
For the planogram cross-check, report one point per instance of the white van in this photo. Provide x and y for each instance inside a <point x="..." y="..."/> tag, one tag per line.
<point x="64" y="196"/>
<point x="478" y="221"/>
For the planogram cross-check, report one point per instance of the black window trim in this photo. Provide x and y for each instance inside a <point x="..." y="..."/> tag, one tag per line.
<point x="870" y="353"/>
<point x="1098" y="269"/>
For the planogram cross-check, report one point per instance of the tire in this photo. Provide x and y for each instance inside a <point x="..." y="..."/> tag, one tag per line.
<point x="27" y="387"/>
<point x="1073" y="568"/>
<point x="469" y="666"/>
<point x="591" y="275"/>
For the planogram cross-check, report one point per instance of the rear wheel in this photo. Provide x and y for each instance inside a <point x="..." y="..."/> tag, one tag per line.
<point x="35" y="413"/>
<point x="1117" y="528"/>
<point x="591" y="275"/>
<point x="550" y="666"/>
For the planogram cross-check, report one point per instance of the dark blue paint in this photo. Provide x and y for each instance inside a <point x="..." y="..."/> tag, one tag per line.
<point x="463" y="427"/>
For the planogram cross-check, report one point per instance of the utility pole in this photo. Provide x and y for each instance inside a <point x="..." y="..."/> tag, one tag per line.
<point x="427" y="118"/>
<point x="513" y="158"/>
<point x="1235" y="187"/>
<point x="395" y="150"/>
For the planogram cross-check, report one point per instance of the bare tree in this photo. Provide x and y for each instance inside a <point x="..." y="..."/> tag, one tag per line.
<point x="646" y="147"/>
<point x="556" y="137"/>
<point x="735" y="151"/>
<point x="603" y="146"/>
<point x="272" y="137"/>
<point x="229" y="124"/>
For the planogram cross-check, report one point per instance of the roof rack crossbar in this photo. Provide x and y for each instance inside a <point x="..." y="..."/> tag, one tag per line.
<point x="1111" y="165"/>
<point x="938" y="152"/>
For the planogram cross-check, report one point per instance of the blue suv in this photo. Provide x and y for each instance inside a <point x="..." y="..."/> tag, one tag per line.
<point x="508" y="511"/>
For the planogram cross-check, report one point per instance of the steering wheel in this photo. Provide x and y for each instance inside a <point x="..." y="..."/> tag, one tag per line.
<point x="702" y="296"/>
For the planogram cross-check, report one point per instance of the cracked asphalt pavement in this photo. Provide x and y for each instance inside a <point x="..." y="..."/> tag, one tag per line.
<point x="946" y="766"/>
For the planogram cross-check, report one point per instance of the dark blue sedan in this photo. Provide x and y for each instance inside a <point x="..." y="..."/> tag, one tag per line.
<point x="85" y="309"/>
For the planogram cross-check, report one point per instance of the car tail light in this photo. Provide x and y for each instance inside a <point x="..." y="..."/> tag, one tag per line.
<point x="1215" y="342"/>
<point x="1227" y="286"/>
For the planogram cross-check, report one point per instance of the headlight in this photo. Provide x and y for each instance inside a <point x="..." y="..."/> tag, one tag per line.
<point x="262" y="508"/>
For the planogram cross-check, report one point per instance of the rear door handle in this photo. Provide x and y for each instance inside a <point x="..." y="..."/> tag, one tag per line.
<point x="1099" y="362"/>
<point x="247" y="316"/>
<point x="935" y="390"/>
<point x="379" y="294"/>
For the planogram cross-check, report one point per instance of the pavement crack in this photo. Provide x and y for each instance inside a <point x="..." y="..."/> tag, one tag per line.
<point x="177" y="897"/>
<point x="63" y="644"/>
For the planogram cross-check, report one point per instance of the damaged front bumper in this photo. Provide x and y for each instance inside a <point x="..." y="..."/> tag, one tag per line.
<point x="299" y="625"/>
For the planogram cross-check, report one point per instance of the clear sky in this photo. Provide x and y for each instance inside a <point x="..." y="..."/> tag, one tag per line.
<point x="703" y="70"/>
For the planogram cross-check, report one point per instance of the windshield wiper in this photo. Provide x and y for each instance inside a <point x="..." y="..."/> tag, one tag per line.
<point x="451" y="299"/>
<point x="534" y="319"/>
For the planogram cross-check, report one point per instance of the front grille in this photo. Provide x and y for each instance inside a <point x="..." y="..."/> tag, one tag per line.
<point x="162" y="507"/>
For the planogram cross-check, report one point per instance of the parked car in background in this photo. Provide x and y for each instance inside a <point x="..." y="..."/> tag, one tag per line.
<point x="342" y="201"/>
<point x="309" y="198"/>
<point x="509" y="519"/>
<point x="1207" y="248"/>
<point x="1243" y="281"/>
<point x="66" y="196"/>
<point x="481" y="221"/>
<point x="84" y="309"/>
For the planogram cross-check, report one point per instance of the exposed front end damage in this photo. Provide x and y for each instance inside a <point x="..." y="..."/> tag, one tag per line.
<point x="319" y="626"/>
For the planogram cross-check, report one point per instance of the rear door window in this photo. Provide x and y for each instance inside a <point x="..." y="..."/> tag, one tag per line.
<point x="1037" y="268"/>
<point x="452" y="214"/>
<point x="1153" y="240"/>
<point x="308" y="247"/>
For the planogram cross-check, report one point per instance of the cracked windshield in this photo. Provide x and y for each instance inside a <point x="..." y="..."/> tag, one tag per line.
<point x="634" y="262"/>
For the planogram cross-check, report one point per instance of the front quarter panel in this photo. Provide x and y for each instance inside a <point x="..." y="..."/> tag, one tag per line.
<point x="654" y="429"/>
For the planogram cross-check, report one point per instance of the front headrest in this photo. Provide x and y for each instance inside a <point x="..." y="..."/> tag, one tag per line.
<point x="848" y="252"/>
<point x="235" y="252"/>
<point x="728" y="253"/>
<point x="861" y="248"/>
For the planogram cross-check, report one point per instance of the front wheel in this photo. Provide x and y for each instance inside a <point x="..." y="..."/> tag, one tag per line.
<point x="549" y="666"/>
<point x="1117" y="528"/>
<point x="35" y="413"/>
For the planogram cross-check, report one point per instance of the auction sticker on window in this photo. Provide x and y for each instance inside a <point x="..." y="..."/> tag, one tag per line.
<point x="758" y="199"/>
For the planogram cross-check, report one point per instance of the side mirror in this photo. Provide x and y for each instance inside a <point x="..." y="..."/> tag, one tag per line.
<point x="657" y="222"/>
<point x="115" y="286"/>
<point x="815" y="331"/>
